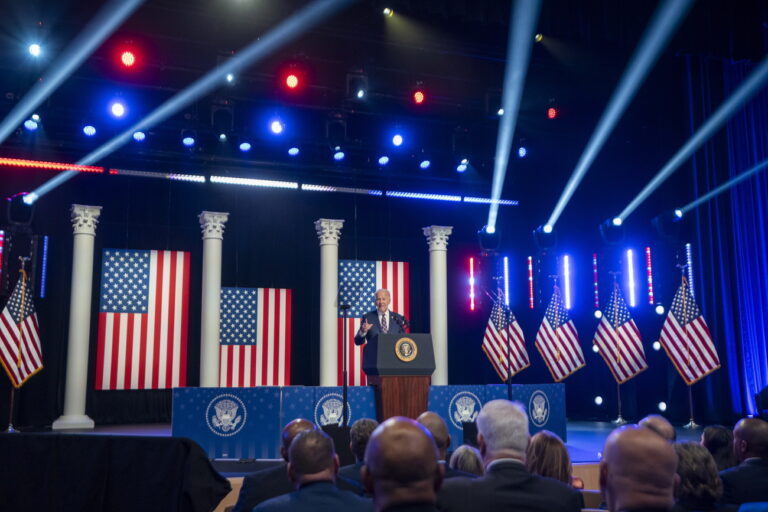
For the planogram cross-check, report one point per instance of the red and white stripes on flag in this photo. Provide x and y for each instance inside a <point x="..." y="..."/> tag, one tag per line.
<point x="358" y="282"/>
<point x="495" y="342"/>
<point x="686" y="338"/>
<point x="143" y="316"/>
<point x="255" y="337"/>
<point x="618" y="340"/>
<point x="558" y="342"/>
<point x="20" y="352"/>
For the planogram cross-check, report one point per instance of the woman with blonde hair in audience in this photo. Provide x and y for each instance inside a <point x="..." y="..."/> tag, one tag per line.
<point x="547" y="456"/>
<point x="700" y="487"/>
<point x="467" y="459"/>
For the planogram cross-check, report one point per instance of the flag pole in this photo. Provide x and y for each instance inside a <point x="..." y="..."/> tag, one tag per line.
<point x="344" y="384"/>
<point x="691" y="425"/>
<point x="619" y="419"/>
<point x="10" y="429"/>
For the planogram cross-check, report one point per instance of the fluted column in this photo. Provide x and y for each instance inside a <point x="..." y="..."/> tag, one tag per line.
<point x="212" y="225"/>
<point x="437" y="239"/>
<point x="84" y="221"/>
<point x="329" y="232"/>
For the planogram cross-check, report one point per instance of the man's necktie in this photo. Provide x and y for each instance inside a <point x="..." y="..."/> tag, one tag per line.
<point x="384" y="326"/>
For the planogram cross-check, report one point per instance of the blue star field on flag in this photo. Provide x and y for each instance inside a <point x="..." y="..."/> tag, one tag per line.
<point x="238" y="316"/>
<point x="125" y="282"/>
<point x="357" y="285"/>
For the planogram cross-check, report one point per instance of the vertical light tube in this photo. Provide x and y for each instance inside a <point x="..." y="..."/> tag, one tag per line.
<point x="506" y="280"/>
<point x="631" y="277"/>
<point x="649" y="272"/>
<point x="594" y="281"/>
<point x="44" y="267"/>
<point x="530" y="282"/>
<point x="689" y="262"/>
<point x="567" y="280"/>
<point x="471" y="284"/>
<point x="2" y="243"/>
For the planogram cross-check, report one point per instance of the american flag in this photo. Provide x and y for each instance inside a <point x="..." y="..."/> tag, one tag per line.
<point x="143" y="305"/>
<point x="686" y="338"/>
<point x="558" y="341"/>
<point x="495" y="341"/>
<point x="358" y="282"/>
<point x="255" y="337"/>
<point x="618" y="340"/>
<point x="20" y="351"/>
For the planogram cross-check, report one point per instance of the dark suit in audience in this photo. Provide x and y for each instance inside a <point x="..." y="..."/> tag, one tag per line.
<point x="317" y="497"/>
<point x="748" y="482"/>
<point x="439" y="430"/>
<point x="359" y="434"/>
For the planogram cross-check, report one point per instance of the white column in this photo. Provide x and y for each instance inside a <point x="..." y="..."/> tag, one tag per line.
<point x="437" y="239"/>
<point x="212" y="224"/>
<point x="84" y="221"/>
<point x="329" y="232"/>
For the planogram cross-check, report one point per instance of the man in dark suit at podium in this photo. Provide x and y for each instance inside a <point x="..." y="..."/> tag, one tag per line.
<point x="380" y="321"/>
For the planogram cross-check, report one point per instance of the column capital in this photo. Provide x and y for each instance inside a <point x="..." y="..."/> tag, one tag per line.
<point x="212" y="224"/>
<point x="329" y="230"/>
<point x="85" y="218"/>
<point x="437" y="237"/>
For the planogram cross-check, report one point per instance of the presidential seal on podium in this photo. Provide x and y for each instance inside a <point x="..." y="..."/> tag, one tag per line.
<point x="406" y="349"/>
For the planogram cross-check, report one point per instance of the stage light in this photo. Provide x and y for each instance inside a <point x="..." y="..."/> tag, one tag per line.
<point x="383" y="160"/>
<point x="598" y="400"/>
<point x="230" y="78"/>
<point x="188" y="141"/>
<point x="500" y="112"/>
<point x="464" y="161"/>
<point x="551" y="112"/>
<point x="617" y="221"/>
<point x="35" y="118"/>
<point x="245" y="147"/>
<point x="292" y="81"/>
<point x="44" y="270"/>
<point x="662" y="406"/>
<point x="567" y="280"/>
<point x="338" y="154"/>
<point x="360" y="94"/>
<point x="424" y="164"/>
<point x="543" y="239"/>
<point x="689" y="266"/>
<point x="538" y="37"/>
<point x="397" y="140"/>
<point x="139" y="136"/>
<point x="659" y="309"/>
<point x="489" y="240"/>
<point x="598" y="314"/>
<point x="595" y="285"/>
<point x="488" y="200"/>
<point x="35" y="50"/>
<point x="679" y="213"/>
<point x="388" y="12"/>
<point x="461" y="167"/>
<point x="128" y="58"/>
<point x="30" y="125"/>
<point x="490" y="230"/>
<point x="547" y="228"/>
<point x="506" y="280"/>
<point x="421" y="195"/>
<point x="649" y="274"/>
<point x="472" y="284"/>
<point x="656" y="346"/>
<point x="357" y="85"/>
<point x="276" y="126"/>
<point x="222" y="137"/>
<point x="294" y="151"/>
<point x="631" y="277"/>
<point x="117" y="109"/>
<point x="595" y="348"/>
<point x="419" y="97"/>
<point x="530" y="282"/>
<point x="89" y="130"/>
<point x="521" y="152"/>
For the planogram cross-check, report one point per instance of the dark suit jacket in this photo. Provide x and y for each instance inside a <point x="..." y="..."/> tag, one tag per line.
<point x="507" y="485"/>
<point x="263" y="485"/>
<point x="371" y="338"/>
<point x="746" y="482"/>
<point x="317" y="497"/>
<point x="351" y="473"/>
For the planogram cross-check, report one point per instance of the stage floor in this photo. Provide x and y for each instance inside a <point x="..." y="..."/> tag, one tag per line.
<point x="585" y="438"/>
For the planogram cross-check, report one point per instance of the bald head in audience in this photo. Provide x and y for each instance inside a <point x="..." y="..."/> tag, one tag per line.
<point x="312" y="458"/>
<point x="638" y="470"/>
<point x="401" y="464"/>
<point x="437" y="427"/>
<point x="750" y="439"/>
<point x="660" y="425"/>
<point x="290" y="431"/>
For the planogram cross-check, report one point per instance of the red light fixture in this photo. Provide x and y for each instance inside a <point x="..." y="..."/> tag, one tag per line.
<point x="419" y="97"/>
<point x="551" y="112"/>
<point x="292" y="80"/>
<point x="128" y="58"/>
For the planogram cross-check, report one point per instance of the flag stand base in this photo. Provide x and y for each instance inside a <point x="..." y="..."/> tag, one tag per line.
<point x="619" y="421"/>
<point x="691" y="425"/>
<point x="11" y="430"/>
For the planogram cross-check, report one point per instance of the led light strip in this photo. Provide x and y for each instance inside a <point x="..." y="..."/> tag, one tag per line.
<point x="44" y="269"/>
<point x="53" y="166"/>
<point x="649" y="274"/>
<point x="2" y="244"/>
<point x="689" y="261"/>
<point x="506" y="280"/>
<point x="346" y="190"/>
<point x="530" y="282"/>
<point x="567" y="280"/>
<point x="595" y="281"/>
<point x="419" y="195"/>
<point x="472" y="284"/>
<point x="197" y="178"/>
<point x="631" y="277"/>
<point x="488" y="200"/>
<point x="250" y="182"/>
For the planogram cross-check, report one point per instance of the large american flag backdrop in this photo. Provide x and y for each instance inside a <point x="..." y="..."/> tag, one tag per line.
<point x="686" y="338"/>
<point x="618" y="340"/>
<point x="495" y="341"/>
<point x="358" y="282"/>
<point x="557" y="340"/>
<point x="255" y="337"/>
<point x="143" y="315"/>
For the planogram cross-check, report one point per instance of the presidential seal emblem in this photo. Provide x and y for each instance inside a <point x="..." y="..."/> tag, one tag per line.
<point x="538" y="408"/>
<point x="406" y="350"/>
<point x="225" y="415"/>
<point x="329" y="408"/>
<point x="464" y="408"/>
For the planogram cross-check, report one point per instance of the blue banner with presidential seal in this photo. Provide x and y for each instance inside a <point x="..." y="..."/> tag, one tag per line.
<point x="456" y="405"/>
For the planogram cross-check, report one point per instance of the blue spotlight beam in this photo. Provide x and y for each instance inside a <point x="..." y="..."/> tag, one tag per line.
<point x="101" y="26"/>
<point x="288" y="30"/>
<point x="746" y="90"/>
<point x="522" y="25"/>
<point x="725" y="187"/>
<point x="663" y="25"/>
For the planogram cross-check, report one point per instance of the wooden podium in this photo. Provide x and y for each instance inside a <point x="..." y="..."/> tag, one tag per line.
<point x="401" y="374"/>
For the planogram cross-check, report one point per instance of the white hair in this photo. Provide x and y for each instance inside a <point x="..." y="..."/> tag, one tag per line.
<point x="504" y="426"/>
<point x="383" y="290"/>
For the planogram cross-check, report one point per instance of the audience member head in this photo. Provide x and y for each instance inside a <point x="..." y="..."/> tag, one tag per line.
<point x="502" y="431"/>
<point x="467" y="459"/>
<point x="750" y="439"/>
<point x="359" y="434"/>
<point x="637" y="470"/>
<point x="312" y="458"/>
<point x="290" y="431"/>
<point x="700" y="487"/>
<point x="401" y="464"/>
<point x="547" y="456"/>
<point x="719" y="441"/>
<point x="437" y="427"/>
<point x="660" y="425"/>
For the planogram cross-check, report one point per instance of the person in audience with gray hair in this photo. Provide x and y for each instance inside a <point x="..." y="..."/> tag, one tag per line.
<point x="502" y="436"/>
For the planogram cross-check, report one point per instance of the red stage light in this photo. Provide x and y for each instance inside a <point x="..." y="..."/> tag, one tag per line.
<point x="128" y="58"/>
<point x="419" y="97"/>
<point x="292" y="81"/>
<point x="551" y="112"/>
